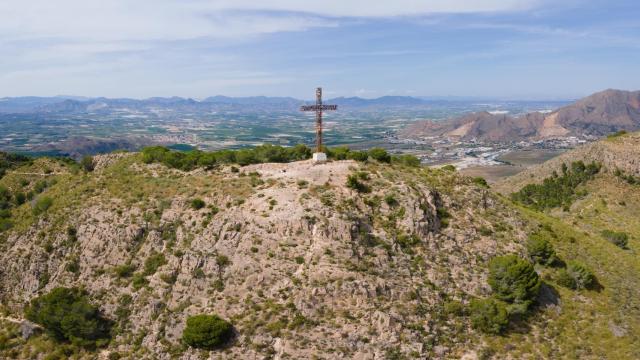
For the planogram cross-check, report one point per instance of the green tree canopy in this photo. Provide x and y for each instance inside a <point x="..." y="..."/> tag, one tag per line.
<point x="513" y="279"/>
<point x="206" y="332"/>
<point x="67" y="315"/>
<point x="489" y="316"/>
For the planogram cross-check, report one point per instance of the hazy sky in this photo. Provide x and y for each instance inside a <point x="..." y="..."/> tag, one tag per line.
<point x="368" y="48"/>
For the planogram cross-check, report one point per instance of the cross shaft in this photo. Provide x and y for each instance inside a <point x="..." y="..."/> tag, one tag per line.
<point x="319" y="108"/>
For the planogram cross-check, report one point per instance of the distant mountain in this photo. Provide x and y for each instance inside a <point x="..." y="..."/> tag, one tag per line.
<point x="381" y="101"/>
<point x="596" y="115"/>
<point x="27" y="104"/>
<point x="253" y="100"/>
<point x="74" y="104"/>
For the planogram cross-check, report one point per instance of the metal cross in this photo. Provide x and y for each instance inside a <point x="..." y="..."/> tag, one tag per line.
<point x="319" y="108"/>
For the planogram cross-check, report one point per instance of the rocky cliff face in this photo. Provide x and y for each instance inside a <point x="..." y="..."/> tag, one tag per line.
<point x="597" y="115"/>
<point x="302" y="265"/>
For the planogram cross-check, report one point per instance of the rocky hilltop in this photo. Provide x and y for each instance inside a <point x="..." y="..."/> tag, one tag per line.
<point x="362" y="275"/>
<point x="361" y="260"/>
<point x="594" y="116"/>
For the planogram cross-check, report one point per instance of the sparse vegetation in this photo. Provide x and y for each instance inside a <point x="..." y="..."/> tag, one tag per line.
<point x="153" y="262"/>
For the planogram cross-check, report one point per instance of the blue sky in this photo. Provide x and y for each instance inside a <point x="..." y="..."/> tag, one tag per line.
<point x="524" y="49"/>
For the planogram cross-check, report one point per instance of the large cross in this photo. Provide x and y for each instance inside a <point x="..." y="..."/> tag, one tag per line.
<point x="318" y="108"/>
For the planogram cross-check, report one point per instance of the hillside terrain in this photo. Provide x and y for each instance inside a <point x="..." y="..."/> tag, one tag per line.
<point x="594" y="116"/>
<point x="350" y="259"/>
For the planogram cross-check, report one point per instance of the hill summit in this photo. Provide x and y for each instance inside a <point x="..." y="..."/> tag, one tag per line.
<point x="352" y="259"/>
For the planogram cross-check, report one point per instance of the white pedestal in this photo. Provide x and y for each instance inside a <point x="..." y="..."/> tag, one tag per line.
<point x="319" y="157"/>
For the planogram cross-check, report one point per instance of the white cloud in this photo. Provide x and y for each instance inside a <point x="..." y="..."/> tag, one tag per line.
<point x="187" y="19"/>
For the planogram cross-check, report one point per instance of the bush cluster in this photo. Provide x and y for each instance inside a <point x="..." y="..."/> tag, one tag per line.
<point x="262" y="154"/>
<point x="540" y="249"/>
<point x="489" y="315"/>
<point x="10" y="161"/>
<point x="620" y="239"/>
<point x="557" y="190"/>
<point x="207" y="332"/>
<point x="354" y="183"/>
<point x="197" y="204"/>
<point x="42" y="205"/>
<point x="68" y="315"/>
<point x="193" y="159"/>
<point x="630" y="179"/>
<point x="513" y="279"/>
<point x="515" y="286"/>
<point x="576" y="276"/>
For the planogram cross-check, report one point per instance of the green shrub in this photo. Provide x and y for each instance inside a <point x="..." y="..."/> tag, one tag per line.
<point x="453" y="307"/>
<point x="67" y="315"/>
<point x="480" y="181"/>
<point x="19" y="198"/>
<point x="489" y="316"/>
<point x="361" y="156"/>
<point x="620" y="239"/>
<point x="513" y="279"/>
<point x="540" y="249"/>
<point x="380" y="154"/>
<point x="564" y="278"/>
<point x="197" y="204"/>
<point x="153" y="262"/>
<point x="354" y="183"/>
<point x="42" y="205"/>
<point x="406" y="160"/>
<point x="87" y="163"/>
<point x="391" y="200"/>
<point x="5" y="224"/>
<point x="138" y="281"/>
<point x="449" y="168"/>
<point x="124" y="271"/>
<point x="338" y="152"/>
<point x="207" y="332"/>
<point x="576" y="276"/>
<point x="617" y="134"/>
<point x="40" y="186"/>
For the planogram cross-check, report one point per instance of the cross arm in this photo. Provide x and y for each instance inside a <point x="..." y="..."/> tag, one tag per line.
<point x="318" y="107"/>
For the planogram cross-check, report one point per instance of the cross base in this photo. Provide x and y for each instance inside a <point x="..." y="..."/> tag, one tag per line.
<point x="319" y="157"/>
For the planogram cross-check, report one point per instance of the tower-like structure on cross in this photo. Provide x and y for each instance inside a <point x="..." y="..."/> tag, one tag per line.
<point x="319" y="107"/>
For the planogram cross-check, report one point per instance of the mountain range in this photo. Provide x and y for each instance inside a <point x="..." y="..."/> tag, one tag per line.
<point x="75" y="104"/>
<point x="67" y="104"/>
<point x="597" y="115"/>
